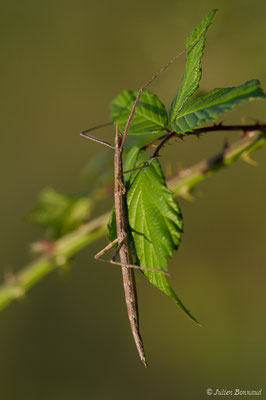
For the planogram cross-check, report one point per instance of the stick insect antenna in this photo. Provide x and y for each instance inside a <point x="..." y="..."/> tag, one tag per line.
<point x="131" y="115"/>
<point x="97" y="127"/>
<point x="95" y="139"/>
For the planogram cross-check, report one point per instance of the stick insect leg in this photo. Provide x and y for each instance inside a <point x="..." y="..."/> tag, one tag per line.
<point x="95" y="139"/>
<point x="148" y="82"/>
<point x="117" y="250"/>
<point x="147" y="164"/>
<point x="122" y="185"/>
<point x="103" y="251"/>
<point x="112" y="261"/>
<point x="138" y="267"/>
<point x="108" y="247"/>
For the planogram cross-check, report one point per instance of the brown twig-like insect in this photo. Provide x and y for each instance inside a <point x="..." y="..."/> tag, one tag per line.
<point x="122" y="240"/>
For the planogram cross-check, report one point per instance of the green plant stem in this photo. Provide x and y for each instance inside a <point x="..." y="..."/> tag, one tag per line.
<point x="60" y="251"/>
<point x="186" y="179"/>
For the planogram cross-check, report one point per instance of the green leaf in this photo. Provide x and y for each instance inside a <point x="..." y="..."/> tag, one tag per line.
<point x="154" y="215"/>
<point x="59" y="213"/>
<point x="206" y="107"/>
<point x="130" y="162"/>
<point x="156" y="224"/>
<point x="111" y="227"/>
<point x="150" y="115"/>
<point x="192" y="75"/>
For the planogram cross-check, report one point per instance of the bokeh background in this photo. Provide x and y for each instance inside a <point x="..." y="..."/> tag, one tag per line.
<point x="61" y="64"/>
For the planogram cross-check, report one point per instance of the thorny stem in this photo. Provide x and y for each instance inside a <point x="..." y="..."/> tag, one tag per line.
<point x="188" y="178"/>
<point x="162" y="143"/>
<point x="64" y="248"/>
<point x="197" y="132"/>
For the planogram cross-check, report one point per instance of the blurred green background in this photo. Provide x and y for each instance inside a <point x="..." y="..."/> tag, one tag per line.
<point x="61" y="64"/>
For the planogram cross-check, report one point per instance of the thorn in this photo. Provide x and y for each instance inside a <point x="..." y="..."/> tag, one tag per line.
<point x="43" y="246"/>
<point x="256" y="122"/>
<point x="60" y="260"/>
<point x="11" y="279"/>
<point x="226" y="145"/>
<point x="246" y="157"/>
<point x="186" y="194"/>
<point x="18" y="292"/>
<point x="66" y="266"/>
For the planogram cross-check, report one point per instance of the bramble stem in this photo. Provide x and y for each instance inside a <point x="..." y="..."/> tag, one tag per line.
<point x="187" y="178"/>
<point x="64" y="248"/>
<point x="197" y="132"/>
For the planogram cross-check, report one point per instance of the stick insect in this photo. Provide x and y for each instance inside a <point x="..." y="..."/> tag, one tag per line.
<point x="122" y="240"/>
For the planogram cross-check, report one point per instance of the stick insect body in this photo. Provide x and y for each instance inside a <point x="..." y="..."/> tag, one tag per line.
<point x="122" y="240"/>
<point x="126" y="261"/>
